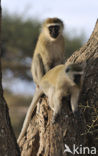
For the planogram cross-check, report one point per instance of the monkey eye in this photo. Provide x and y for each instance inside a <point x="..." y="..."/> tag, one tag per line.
<point x="67" y="70"/>
<point x="50" y="28"/>
<point x="55" y="27"/>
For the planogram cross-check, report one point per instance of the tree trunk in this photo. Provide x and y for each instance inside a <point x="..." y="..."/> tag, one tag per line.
<point x="8" y="145"/>
<point x="43" y="138"/>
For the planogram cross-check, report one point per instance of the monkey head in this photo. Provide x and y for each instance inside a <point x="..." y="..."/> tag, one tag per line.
<point x="53" y="28"/>
<point x="75" y="72"/>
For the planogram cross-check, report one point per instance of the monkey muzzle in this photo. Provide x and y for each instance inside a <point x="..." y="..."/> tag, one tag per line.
<point x="54" y="31"/>
<point x="77" y="78"/>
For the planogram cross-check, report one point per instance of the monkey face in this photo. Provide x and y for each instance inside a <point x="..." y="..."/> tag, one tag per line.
<point x="77" y="78"/>
<point x="75" y="72"/>
<point x="54" y="30"/>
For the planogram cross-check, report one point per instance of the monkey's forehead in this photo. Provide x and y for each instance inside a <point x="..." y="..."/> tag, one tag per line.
<point x="75" y="67"/>
<point x="53" y="20"/>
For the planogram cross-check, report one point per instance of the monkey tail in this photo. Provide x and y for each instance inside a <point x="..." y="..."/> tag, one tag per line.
<point x="32" y="106"/>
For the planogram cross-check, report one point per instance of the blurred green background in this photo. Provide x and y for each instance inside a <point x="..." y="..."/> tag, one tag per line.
<point x="19" y="38"/>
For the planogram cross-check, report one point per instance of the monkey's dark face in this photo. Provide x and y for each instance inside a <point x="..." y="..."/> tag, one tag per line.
<point x="54" y="30"/>
<point x="75" y="72"/>
<point x="77" y="78"/>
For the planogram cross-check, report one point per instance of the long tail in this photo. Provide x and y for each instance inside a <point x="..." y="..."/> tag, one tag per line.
<point x="36" y="97"/>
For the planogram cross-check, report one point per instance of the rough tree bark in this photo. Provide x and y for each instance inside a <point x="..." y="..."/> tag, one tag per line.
<point x="8" y="145"/>
<point x="44" y="139"/>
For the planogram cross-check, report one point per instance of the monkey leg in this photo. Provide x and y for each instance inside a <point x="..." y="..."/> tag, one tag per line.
<point x="74" y="100"/>
<point x="50" y="97"/>
<point x="57" y="106"/>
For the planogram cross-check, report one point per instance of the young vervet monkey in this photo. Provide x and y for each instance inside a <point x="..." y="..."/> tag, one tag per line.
<point x="55" y="84"/>
<point x="49" y="50"/>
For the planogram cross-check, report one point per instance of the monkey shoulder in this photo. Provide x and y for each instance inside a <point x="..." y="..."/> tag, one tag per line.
<point x="52" y="75"/>
<point x="63" y="80"/>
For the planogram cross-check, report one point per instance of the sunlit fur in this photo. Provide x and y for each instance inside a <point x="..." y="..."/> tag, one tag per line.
<point x="49" y="52"/>
<point x="56" y="84"/>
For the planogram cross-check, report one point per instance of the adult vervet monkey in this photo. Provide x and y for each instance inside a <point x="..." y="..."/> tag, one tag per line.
<point x="58" y="82"/>
<point x="49" y="50"/>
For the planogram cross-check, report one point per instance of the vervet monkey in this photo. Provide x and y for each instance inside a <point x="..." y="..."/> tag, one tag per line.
<point x="60" y="81"/>
<point x="49" y="50"/>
